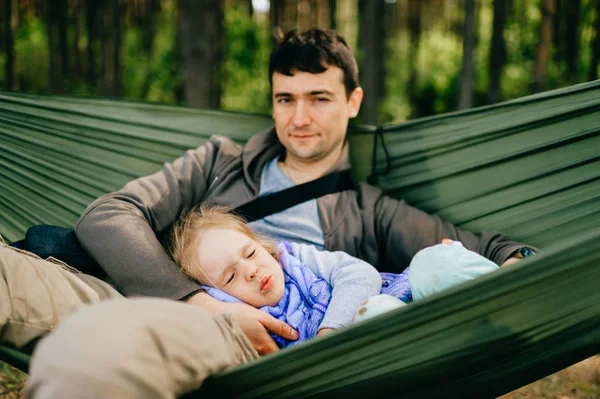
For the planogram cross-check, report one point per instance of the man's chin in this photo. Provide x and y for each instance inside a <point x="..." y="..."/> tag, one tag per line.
<point x="305" y="154"/>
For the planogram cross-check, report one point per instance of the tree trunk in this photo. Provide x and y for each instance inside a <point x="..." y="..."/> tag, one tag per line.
<point x="543" y="48"/>
<point x="148" y="28"/>
<point x="372" y="42"/>
<point x="62" y="7"/>
<point x="110" y="37"/>
<point x="572" y="37"/>
<point x="55" y="50"/>
<point x="9" y="47"/>
<point x="558" y="36"/>
<point x="202" y="35"/>
<point x="595" y="46"/>
<point x="497" y="50"/>
<point x="467" y="73"/>
<point x="332" y="14"/>
<point x="304" y="18"/>
<point x="76" y="12"/>
<point x="92" y="34"/>
<point x="115" y="80"/>
<point x="414" y="32"/>
<point x="276" y="11"/>
<point x="178" y="62"/>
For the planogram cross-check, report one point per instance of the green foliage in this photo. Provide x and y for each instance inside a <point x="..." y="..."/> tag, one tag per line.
<point x="31" y="55"/>
<point x="156" y="76"/>
<point x="245" y="67"/>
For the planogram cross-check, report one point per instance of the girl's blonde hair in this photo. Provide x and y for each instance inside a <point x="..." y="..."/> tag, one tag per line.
<point x="190" y="228"/>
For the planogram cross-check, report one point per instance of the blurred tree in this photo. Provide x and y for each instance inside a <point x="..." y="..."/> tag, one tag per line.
<point x="9" y="47"/>
<point x="593" y="74"/>
<point x="497" y="51"/>
<point x="372" y="44"/>
<point x="558" y="31"/>
<point x="414" y="32"/>
<point x="276" y="17"/>
<point x="290" y="15"/>
<point x="111" y="46"/>
<point x="543" y="47"/>
<point x="202" y="40"/>
<point x="58" y="54"/>
<point x="308" y="14"/>
<point x="76" y="9"/>
<point x="572" y="35"/>
<point x="332" y="14"/>
<point x="3" y="16"/>
<point x="147" y="14"/>
<point x="92" y="26"/>
<point x="467" y="73"/>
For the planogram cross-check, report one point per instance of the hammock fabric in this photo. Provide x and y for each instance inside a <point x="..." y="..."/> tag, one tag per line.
<point x="528" y="167"/>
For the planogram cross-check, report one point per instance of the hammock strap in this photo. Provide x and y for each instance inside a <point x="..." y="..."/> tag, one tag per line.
<point x="372" y="179"/>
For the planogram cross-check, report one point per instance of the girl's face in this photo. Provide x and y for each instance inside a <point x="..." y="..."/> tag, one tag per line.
<point x="241" y="267"/>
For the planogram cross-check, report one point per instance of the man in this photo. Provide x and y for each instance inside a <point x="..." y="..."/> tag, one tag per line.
<point x="315" y="92"/>
<point x="129" y="348"/>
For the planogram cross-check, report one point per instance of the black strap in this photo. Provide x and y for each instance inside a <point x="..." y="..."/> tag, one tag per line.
<point x="269" y="204"/>
<point x="372" y="179"/>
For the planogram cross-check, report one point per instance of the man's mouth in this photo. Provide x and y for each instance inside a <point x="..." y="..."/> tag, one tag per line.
<point x="266" y="283"/>
<point x="303" y="136"/>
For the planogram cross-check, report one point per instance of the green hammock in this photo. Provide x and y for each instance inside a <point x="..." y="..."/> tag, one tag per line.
<point x="528" y="167"/>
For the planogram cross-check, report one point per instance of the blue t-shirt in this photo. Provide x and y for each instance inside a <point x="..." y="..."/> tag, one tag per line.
<point x="300" y="223"/>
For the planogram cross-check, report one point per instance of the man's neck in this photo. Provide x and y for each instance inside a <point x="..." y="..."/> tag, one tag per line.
<point x="301" y="171"/>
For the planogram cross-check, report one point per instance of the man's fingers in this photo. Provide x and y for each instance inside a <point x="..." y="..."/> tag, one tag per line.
<point x="267" y="346"/>
<point x="278" y="327"/>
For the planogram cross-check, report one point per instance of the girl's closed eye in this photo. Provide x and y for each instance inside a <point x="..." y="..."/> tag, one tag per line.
<point x="251" y="254"/>
<point x="230" y="278"/>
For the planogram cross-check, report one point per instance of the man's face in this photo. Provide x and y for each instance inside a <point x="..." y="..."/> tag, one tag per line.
<point x="311" y="112"/>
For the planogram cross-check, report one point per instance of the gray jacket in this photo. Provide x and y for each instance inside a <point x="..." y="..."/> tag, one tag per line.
<point x="120" y="229"/>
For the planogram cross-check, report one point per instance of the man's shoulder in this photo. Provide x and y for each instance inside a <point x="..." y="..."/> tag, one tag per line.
<point x="369" y="194"/>
<point x="225" y="143"/>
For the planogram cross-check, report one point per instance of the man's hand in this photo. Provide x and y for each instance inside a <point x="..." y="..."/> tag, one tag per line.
<point x="253" y="322"/>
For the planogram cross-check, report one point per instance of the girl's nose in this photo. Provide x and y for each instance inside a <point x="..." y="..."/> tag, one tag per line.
<point x="251" y="273"/>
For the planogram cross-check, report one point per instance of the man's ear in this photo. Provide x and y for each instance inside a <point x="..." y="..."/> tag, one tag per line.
<point x="354" y="102"/>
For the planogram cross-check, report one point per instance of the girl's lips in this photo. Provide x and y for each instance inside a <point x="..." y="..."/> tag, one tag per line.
<point x="266" y="283"/>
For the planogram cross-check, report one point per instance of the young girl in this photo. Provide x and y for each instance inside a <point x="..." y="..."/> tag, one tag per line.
<point x="315" y="292"/>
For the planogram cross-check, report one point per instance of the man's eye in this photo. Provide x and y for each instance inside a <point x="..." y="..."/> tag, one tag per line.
<point x="322" y="99"/>
<point x="230" y="279"/>
<point x="251" y="254"/>
<point x="283" y="100"/>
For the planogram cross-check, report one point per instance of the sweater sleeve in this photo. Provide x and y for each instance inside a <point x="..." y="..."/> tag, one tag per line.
<point x="404" y="230"/>
<point x="119" y="230"/>
<point x="353" y="281"/>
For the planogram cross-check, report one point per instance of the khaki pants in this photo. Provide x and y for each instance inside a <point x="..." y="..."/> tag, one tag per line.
<point x="119" y="348"/>
<point x="35" y="294"/>
<point x="135" y="348"/>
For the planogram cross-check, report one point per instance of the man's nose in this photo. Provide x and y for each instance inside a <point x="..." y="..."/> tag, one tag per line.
<point x="301" y="115"/>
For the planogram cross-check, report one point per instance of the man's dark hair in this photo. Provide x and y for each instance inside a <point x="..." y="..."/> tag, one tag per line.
<point x="312" y="51"/>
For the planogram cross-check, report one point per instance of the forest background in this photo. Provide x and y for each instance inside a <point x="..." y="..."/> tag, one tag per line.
<point x="416" y="58"/>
